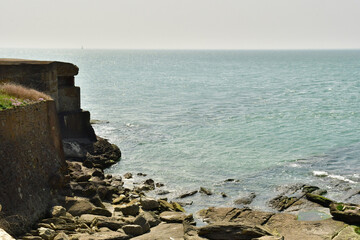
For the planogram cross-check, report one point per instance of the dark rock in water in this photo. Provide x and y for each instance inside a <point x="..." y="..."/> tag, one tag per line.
<point x="162" y="192"/>
<point x="229" y="230"/>
<point x="281" y="203"/>
<point x="348" y="213"/>
<point x="159" y="185"/>
<point x="323" y="201"/>
<point x="309" y="189"/>
<point x="142" y="174"/>
<point x="231" y="180"/>
<point x="183" y="204"/>
<point x="150" y="183"/>
<point x="223" y="194"/>
<point x="188" y="194"/>
<point x="246" y="200"/>
<point x="128" y="175"/>
<point x="205" y="191"/>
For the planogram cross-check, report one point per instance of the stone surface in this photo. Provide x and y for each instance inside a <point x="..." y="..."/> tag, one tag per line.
<point x="112" y="223"/>
<point x="61" y="236"/>
<point x="205" y="191"/>
<point x="164" y="231"/>
<point x="245" y="200"/>
<point x="128" y="209"/>
<point x="349" y="213"/>
<point x="108" y="235"/>
<point x="101" y="211"/>
<point x="172" y="217"/>
<point x="79" y="206"/>
<point x="133" y="229"/>
<point x="47" y="233"/>
<point x="188" y="194"/>
<point x="58" y="211"/>
<point x="228" y="230"/>
<point x="151" y="218"/>
<point x="5" y="236"/>
<point x="149" y="204"/>
<point x="141" y="221"/>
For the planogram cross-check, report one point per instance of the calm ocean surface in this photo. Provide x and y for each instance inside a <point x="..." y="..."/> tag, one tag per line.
<point x="196" y="118"/>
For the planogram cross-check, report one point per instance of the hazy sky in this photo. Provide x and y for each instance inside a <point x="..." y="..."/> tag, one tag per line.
<point x="180" y="24"/>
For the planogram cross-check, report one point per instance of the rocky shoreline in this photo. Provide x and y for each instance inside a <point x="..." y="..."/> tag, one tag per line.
<point x="98" y="206"/>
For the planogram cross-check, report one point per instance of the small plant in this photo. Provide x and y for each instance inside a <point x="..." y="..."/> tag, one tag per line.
<point x="340" y="207"/>
<point x="357" y="230"/>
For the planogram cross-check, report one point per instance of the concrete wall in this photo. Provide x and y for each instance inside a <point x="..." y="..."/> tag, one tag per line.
<point x="32" y="164"/>
<point x="57" y="80"/>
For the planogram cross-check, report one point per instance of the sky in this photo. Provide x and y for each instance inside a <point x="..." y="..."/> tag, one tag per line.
<point x="180" y="24"/>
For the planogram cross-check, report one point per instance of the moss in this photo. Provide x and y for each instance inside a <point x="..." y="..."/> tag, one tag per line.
<point x="323" y="201"/>
<point x="340" y="207"/>
<point x="357" y="230"/>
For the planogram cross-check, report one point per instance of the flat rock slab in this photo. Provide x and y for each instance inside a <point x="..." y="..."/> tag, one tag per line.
<point x="288" y="226"/>
<point x="109" y="235"/>
<point x="164" y="231"/>
<point x="172" y="217"/>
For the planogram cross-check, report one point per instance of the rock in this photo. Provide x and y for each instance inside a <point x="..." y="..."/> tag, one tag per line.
<point x="239" y="215"/>
<point x="5" y="236"/>
<point x="158" y="185"/>
<point x="128" y="175"/>
<point x="223" y="194"/>
<point x="165" y="206"/>
<point x="149" y="204"/>
<point x="58" y="211"/>
<point x="141" y="174"/>
<point x="128" y="209"/>
<point x="168" y="231"/>
<point x="162" y="192"/>
<point x="78" y="206"/>
<point x="288" y="226"/>
<point x="120" y="199"/>
<point x="46" y="233"/>
<point x="223" y="230"/>
<point x="281" y="203"/>
<point x="101" y="211"/>
<point x="150" y="184"/>
<point x="151" y="218"/>
<point x="188" y="194"/>
<point x="309" y="189"/>
<point x="177" y="207"/>
<point x="141" y="221"/>
<point x="133" y="229"/>
<point x="323" y="201"/>
<point x="349" y="213"/>
<point x="87" y="218"/>
<point x="61" y="236"/>
<point x="348" y="233"/>
<point x="205" y="191"/>
<point x="172" y="217"/>
<point x="246" y="200"/>
<point x="112" y="223"/>
<point x="97" y="201"/>
<point x="101" y="236"/>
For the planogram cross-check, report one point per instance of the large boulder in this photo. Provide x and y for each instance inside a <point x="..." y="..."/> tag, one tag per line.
<point x="349" y="213"/>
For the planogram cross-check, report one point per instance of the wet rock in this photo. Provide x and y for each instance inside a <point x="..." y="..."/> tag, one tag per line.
<point x="142" y="174"/>
<point x="149" y="204"/>
<point x="205" y="191"/>
<point x="223" y="194"/>
<point x="58" y="211"/>
<point x="231" y="180"/>
<point x="133" y="229"/>
<point x="281" y="203"/>
<point x="229" y="230"/>
<point x="349" y="213"/>
<point x="309" y="189"/>
<point x="46" y="233"/>
<point x="188" y="194"/>
<point x="165" y="205"/>
<point x="246" y="200"/>
<point x="162" y="192"/>
<point x="128" y="175"/>
<point x="323" y="201"/>
<point x="159" y="185"/>
<point x="150" y="184"/>
<point x="177" y="207"/>
<point x="172" y="217"/>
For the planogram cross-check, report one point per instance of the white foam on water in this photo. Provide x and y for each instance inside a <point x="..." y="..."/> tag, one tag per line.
<point x="341" y="178"/>
<point x="320" y="173"/>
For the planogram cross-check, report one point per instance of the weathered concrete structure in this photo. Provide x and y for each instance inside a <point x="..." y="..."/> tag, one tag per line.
<point x="32" y="164"/>
<point x="57" y="80"/>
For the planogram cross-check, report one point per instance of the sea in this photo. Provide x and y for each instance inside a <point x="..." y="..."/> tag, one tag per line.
<point x="232" y="121"/>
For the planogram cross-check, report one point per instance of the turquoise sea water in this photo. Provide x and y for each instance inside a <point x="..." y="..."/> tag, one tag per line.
<point x="196" y="118"/>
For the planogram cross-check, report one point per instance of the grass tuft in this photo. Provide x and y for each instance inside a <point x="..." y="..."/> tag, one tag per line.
<point x="13" y="95"/>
